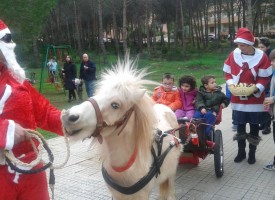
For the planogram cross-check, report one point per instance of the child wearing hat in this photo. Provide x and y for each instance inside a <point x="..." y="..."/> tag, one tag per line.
<point x="249" y="65"/>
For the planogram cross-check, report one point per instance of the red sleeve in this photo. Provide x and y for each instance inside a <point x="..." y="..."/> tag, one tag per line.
<point x="264" y="74"/>
<point x="47" y="117"/>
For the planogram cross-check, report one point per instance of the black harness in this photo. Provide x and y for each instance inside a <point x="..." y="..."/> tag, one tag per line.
<point x="154" y="169"/>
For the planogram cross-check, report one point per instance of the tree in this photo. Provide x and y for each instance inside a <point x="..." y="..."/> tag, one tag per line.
<point x="26" y="20"/>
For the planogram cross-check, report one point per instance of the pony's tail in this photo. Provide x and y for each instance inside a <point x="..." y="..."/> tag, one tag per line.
<point x="165" y="189"/>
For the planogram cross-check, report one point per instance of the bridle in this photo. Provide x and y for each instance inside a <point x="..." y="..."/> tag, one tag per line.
<point x="102" y="124"/>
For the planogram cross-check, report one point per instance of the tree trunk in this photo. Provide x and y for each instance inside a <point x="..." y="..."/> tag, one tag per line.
<point x="182" y="26"/>
<point x="101" y="42"/>
<point x="36" y="51"/>
<point x="148" y="28"/>
<point x="68" y="31"/>
<point x="79" y="47"/>
<point x="124" y="27"/>
<point x="249" y="15"/>
<point x="115" y="29"/>
<point x="176" y="27"/>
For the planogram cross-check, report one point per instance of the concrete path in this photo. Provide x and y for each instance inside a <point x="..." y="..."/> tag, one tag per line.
<point x="81" y="178"/>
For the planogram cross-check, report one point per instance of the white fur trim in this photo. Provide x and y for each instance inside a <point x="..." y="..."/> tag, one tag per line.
<point x="229" y="82"/>
<point x="247" y="107"/>
<point x="5" y="97"/>
<point x="10" y="135"/>
<point x="260" y="87"/>
<point x="252" y="61"/>
<point x="254" y="74"/>
<point x="227" y="68"/>
<point x="265" y="72"/>
<point x="241" y="40"/>
<point x="4" y="32"/>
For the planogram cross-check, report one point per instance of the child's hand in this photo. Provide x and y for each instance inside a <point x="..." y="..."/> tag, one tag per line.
<point x="203" y="111"/>
<point x="215" y="114"/>
<point x="223" y="105"/>
<point x="193" y="102"/>
<point x="268" y="101"/>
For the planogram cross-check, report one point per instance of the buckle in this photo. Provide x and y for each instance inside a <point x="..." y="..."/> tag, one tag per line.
<point x="243" y="98"/>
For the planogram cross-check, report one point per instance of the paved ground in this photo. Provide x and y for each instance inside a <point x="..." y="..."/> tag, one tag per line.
<point x="81" y="178"/>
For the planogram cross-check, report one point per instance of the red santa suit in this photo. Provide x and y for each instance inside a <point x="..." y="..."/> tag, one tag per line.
<point x="254" y="69"/>
<point x="21" y="104"/>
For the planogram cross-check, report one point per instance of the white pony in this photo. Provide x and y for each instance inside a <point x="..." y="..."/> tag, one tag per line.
<point x="127" y="123"/>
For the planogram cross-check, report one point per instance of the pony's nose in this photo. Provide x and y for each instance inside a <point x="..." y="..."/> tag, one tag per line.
<point x="73" y="118"/>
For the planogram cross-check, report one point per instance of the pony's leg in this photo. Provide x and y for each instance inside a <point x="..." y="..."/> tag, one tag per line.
<point x="167" y="190"/>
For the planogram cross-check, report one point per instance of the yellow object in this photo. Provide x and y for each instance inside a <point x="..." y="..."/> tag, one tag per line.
<point x="242" y="89"/>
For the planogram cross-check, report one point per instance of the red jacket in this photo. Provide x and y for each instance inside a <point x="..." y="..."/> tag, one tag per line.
<point x="255" y="70"/>
<point x="23" y="104"/>
<point x="171" y="98"/>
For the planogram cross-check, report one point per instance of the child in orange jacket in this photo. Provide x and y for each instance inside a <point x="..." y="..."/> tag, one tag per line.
<point x="167" y="93"/>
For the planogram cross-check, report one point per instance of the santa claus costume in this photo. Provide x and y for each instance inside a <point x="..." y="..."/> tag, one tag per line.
<point x="249" y="65"/>
<point x="21" y="104"/>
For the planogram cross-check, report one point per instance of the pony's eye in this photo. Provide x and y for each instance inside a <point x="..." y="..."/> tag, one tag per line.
<point x="115" y="105"/>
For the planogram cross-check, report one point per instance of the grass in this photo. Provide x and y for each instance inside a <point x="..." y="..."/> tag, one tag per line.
<point x="197" y="64"/>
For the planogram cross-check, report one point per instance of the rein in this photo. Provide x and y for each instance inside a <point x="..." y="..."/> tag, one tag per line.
<point x="102" y="124"/>
<point x="14" y="162"/>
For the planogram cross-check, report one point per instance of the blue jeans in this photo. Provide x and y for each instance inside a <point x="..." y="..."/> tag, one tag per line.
<point x="89" y="86"/>
<point x="210" y="119"/>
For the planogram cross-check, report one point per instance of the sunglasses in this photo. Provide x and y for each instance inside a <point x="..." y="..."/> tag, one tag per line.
<point x="6" y="38"/>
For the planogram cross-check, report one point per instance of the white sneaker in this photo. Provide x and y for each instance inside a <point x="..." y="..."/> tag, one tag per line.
<point x="270" y="167"/>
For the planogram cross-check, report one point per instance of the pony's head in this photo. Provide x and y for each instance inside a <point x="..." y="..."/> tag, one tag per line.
<point x="121" y="98"/>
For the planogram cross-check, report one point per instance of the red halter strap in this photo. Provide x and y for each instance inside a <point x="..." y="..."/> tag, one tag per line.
<point x="129" y="163"/>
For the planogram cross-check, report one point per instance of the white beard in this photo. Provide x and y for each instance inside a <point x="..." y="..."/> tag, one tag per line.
<point x="7" y="56"/>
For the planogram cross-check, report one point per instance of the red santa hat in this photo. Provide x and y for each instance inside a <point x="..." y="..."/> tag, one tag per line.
<point x="244" y="36"/>
<point x="3" y="29"/>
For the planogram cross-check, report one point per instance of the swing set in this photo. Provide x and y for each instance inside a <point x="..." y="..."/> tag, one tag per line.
<point x="57" y="52"/>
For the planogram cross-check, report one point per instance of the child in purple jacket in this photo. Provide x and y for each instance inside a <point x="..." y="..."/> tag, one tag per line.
<point x="188" y="93"/>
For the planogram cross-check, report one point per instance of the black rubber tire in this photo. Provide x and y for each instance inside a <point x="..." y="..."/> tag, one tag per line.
<point x="218" y="153"/>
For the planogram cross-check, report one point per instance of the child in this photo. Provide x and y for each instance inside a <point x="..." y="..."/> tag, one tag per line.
<point x="270" y="101"/>
<point x="188" y="92"/>
<point x="52" y="64"/>
<point x="167" y="93"/>
<point x="208" y="102"/>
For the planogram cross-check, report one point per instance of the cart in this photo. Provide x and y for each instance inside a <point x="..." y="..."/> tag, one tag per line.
<point x="193" y="138"/>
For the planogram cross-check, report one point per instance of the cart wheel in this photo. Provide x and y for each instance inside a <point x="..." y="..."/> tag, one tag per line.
<point x="218" y="153"/>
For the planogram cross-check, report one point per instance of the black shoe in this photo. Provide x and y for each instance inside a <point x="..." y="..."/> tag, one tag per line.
<point x="261" y="126"/>
<point x="251" y="157"/>
<point x="266" y="131"/>
<point x="241" y="155"/>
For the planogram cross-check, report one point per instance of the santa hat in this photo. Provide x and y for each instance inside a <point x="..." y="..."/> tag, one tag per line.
<point x="3" y="29"/>
<point x="244" y="36"/>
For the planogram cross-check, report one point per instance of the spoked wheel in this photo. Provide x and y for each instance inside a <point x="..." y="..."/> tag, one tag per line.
<point x="218" y="153"/>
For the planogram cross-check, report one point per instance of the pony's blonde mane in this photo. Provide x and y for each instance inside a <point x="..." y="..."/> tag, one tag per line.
<point x="125" y="78"/>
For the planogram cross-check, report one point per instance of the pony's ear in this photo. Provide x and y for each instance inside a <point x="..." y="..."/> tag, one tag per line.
<point x="139" y="94"/>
